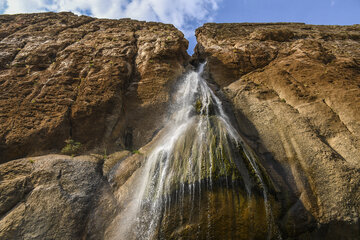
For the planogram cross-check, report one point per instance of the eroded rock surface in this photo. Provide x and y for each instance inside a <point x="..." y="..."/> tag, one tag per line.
<point x="49" y="197"/>
<point x="104" y="83"/>
<point x="295" y="89"/>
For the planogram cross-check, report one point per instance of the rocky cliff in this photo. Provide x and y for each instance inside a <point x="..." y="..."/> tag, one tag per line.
<point x="103" y="83"/>
<point x="293" y="91"/>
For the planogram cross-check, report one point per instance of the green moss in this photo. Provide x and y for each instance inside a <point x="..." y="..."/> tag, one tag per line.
<point x="217" y="157"/>
<point x="251" y="170"/>
<point x="219" y="162"/>
<point x="229" y="214"/>
<point x="229" y="210"/>
<point x="253" y="174"/>
<point x="198" y="106"/>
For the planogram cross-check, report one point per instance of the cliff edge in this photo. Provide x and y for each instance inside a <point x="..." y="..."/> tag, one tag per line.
<point x="295" y="91"/>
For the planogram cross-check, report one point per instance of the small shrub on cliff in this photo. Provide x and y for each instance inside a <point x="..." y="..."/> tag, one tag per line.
<point x="71" y="148"/>
<point x="105" y="156"/>
<point x="136" y="152"/>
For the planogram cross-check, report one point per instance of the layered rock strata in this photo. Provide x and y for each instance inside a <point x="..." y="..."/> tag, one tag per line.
<point x="295" y="90"/>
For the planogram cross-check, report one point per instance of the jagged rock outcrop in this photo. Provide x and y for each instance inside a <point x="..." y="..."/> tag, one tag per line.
<point x="104" y="83"/>
<point x="295" y="89"/>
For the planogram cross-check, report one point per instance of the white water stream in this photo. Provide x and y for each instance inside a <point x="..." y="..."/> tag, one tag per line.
<point x="196" y="152"/>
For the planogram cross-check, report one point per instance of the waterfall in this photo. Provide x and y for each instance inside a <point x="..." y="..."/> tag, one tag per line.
<point x="200" y="180"/>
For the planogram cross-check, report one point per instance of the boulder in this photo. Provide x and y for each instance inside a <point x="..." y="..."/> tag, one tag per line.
<point x="51" y="197"/>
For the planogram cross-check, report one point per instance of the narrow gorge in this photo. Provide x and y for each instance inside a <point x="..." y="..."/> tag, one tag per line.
<point x="110" y="130"/>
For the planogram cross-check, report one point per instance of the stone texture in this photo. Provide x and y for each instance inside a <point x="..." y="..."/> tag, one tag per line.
<point x="49" y="197"/>
<point x="112" y="160"/>
<point x="66" y="76"/>
<point x="295" y="89"/>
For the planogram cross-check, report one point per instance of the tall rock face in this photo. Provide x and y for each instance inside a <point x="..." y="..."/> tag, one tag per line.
<point x="104" y="83"/>
<point x="292" y="89"/>
<point x="295" y="90"/>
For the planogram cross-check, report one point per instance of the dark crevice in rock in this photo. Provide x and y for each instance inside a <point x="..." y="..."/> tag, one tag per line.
<point x="129" y="88"/>
<point x="70" y="123"/>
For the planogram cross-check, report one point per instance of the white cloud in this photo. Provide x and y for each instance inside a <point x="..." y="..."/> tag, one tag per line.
<point x="182" y="13"/>
<point x="2" y="5"/>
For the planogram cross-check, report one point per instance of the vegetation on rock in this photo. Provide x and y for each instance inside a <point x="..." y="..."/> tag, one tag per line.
<point x="71" y="148"/>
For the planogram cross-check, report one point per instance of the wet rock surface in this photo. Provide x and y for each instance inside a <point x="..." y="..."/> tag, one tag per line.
<point x="295" y="89"/>
<point x="93" y="80"/>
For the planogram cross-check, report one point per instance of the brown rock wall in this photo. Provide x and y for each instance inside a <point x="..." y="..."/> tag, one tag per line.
<point x="295" y="89"/>
<point x="64" y="76"/>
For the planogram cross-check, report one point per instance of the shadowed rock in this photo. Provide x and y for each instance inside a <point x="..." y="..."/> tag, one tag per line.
<point x="295" y="91"/>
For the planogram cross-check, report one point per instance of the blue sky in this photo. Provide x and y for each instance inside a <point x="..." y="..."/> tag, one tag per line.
<point x="187" y="15"/>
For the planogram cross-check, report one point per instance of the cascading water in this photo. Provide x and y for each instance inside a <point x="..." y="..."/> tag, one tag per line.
<point x="200" y="181"/>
